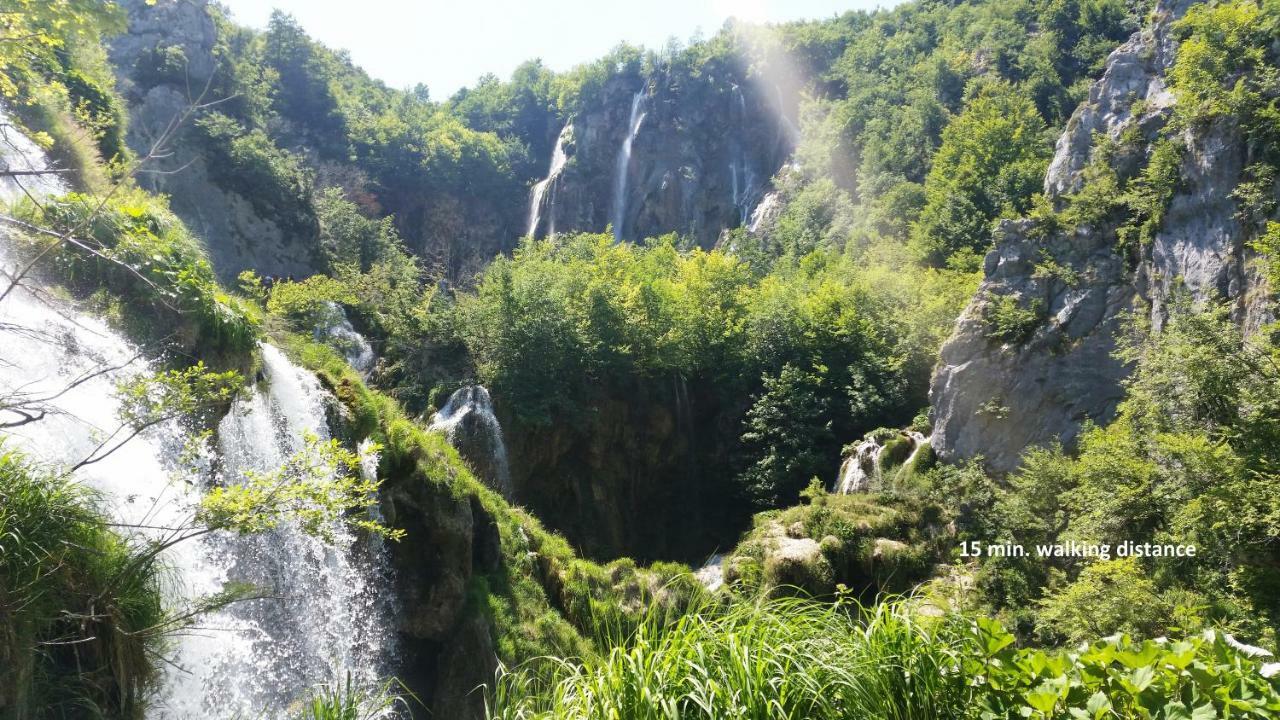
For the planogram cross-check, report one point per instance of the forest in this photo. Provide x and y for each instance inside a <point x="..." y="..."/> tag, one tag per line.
<point x="715" y="380"/>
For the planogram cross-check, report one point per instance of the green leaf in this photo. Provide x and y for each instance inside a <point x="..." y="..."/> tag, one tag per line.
<point x="1204" y="712"/>
<point x="1098" y="704"/>
<point x="1043" y="699"/>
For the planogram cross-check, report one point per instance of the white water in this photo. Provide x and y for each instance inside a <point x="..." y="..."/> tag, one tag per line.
<point x="786" y="126"/>
<point x="623" y="166"/>
<point x="468" y="421"/>
<point x="335" y="330"/>
<point x="742" y="176"/>
<point x="252" y="659"/>
<point x="768" y="206"/>
<point x="558" y="160"/>
<point x="862" y="467"/>
<point x="19" y="154"/>
<point x="711" y="574"/>
<point x="325" y="618"/>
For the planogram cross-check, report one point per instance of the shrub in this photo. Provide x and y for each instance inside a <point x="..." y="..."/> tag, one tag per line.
<point x="132" y="247"/>
<point x="1010" y="321"/>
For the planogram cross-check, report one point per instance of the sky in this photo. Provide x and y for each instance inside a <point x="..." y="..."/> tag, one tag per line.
<point x="448" y="44"/>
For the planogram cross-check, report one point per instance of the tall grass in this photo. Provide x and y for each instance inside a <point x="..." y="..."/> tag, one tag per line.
<point x="774" y="658"/>
<point x="347" y="701"/>
<point x="78" y="603"/>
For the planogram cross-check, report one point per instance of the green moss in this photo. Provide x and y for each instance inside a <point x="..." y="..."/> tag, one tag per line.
<point x="852" y="533"/>
<point x="542" y="600"/>
<point x="134" y="253"/>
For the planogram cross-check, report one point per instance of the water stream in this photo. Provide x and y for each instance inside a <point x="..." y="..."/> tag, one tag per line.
<point x="622" y="171"/>
<point x="550" y="182"/>
<point x="469" y="423"/>
<point x="326" y="616"/>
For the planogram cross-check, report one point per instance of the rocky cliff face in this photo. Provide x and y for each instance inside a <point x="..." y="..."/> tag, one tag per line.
<point x="638" y="481"/>
<point x="179" y="36"/>
<point x="701" y="156"/>
<point x="995" y="397"/>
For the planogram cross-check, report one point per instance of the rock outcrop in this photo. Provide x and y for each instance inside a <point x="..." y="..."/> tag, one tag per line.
<point x="996" y="396"/>
<point x="699" y="162"/>
<point x="165" y="62"/>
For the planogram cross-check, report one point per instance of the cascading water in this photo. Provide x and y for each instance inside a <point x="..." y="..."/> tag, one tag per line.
<point x="558" y="160"/>
<point x="742" y="175"/>
<point x="769" y="206"/>
<point x="863" y="466"/>
<point x="623" y="166"/>
<point x="711" y="574"/>
<point x="324" y="619"/>
<point x="790" y="133"/>
<point x="467" y="420"/>
<point x="334" y="328"/>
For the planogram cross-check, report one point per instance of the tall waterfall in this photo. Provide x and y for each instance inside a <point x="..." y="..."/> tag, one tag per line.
<point x="328" y="614"/>
<point x="786" y="127"/>
<point x="742" y="175"/>
<point x="324" y="617"/>
<point x="539" y="192"/>
<point x="467" y="420"/>
<point x="623" y="165"/>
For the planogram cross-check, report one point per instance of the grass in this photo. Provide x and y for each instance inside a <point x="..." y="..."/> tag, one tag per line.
<point x="347" y="701"/>
<point x="795" y="659"/>
<point x="79" y="604"/>
<point x="771" y="658"/>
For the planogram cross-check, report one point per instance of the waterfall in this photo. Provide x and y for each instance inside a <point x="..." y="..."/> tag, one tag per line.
<point x="711" y="574"/>
<point x="558" y="160"/>
<point x="863" y="467"/>
<point x="860" y="468"/>
<point x="324" y="617"/>
<point x="328" y="615"/>
<point x="768" y="208"/>
<point x="786" y="128"/>
<point x="621" y="172"/>
<point x="19" y="153"/>
<point x="467" y="420"/>
<point x="742" y="175"/>
<point x="334" y="329"/>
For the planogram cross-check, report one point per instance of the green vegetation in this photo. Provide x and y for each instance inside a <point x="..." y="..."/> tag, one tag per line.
<point x="865" y="543"/>
<point x="991" y="161"/>
<point x="723" y="382"/>
<point x="1190" y="459"/>
<point x="795" y="658"/>
<point x="826" y="347"/>
<point x="81" y="619"/>
<point x="148" y="271"/>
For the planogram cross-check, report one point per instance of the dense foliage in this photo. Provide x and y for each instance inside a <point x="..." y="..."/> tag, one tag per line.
<point x="791" y="658"/>
<point x="80" y="609"/>
<point x="823" y="349"/>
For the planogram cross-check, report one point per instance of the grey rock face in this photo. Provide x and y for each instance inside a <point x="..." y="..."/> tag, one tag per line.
<point x="236" y="235"/>
<point x="700" y="162"/>
<point x="995" y="399"/>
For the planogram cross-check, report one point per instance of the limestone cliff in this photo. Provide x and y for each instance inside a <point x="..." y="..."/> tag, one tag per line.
<point x="165" y="65"/>
<point x="994" y="396"/>
<point x="699" y="161"/>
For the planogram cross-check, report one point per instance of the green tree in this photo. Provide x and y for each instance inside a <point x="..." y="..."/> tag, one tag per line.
<point x="990" y="164"/>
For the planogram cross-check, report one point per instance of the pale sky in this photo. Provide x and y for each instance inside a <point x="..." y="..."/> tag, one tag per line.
<point x="448" y="44"/>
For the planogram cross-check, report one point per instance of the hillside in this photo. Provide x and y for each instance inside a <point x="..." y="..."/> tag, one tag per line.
<point x="825" y="369"/>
